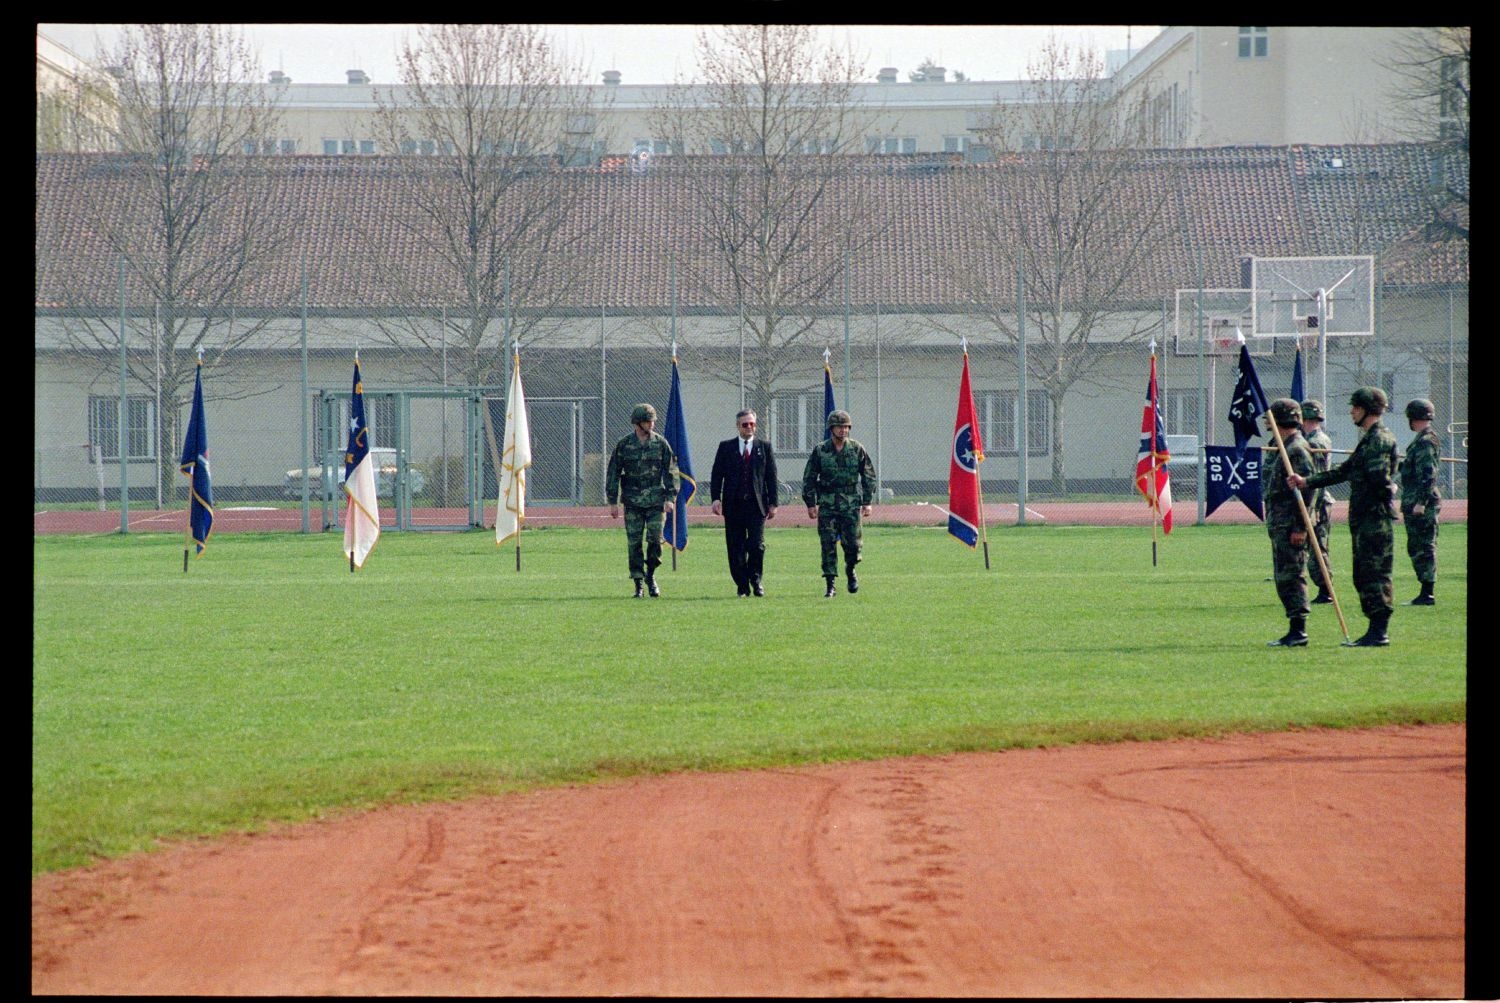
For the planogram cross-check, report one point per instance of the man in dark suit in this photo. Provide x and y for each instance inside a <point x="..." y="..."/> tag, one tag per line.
<point x="743" y="489"/>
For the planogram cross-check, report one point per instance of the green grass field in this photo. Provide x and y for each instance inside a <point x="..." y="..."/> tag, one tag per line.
<point x="269" y="683"/>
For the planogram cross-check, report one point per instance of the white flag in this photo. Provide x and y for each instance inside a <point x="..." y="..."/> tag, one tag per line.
<point x="514" y="460"/>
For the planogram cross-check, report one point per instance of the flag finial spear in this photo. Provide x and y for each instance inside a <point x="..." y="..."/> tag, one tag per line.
<point x="200" y="355"/>
<point x="1239" y="334"/>
<point x="825" y="356"/>
<point x="1153" y="346"/>
<point x="963" y="342"/>
<point x="674" y="349"/>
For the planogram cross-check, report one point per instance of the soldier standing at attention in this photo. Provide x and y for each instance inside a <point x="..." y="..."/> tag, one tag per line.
<point x="1284" y="520"/>
<point x="643" y="475"/>
<point x="1370" y="471"/>
<point x="1321" y="446"/>
<point x="838" y="485"/>
<point x="1420" y="499"/>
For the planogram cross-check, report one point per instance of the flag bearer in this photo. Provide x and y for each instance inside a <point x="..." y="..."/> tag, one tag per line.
<point x="1284" y="521"/>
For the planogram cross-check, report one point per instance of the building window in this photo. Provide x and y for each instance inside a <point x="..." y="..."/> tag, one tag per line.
<point x="1255" y="43"/>
<point x="999" y="418"/>
<point x="722" y="147"/>
<point x="1179" y="411"/>
<point x="796" y="426"/>
<point x="955" y="144"/>
<point x="815" y="146"/>
<point x="655" y="147"/>
<point x="140" y="434"/>
<point x="891" y="144"/>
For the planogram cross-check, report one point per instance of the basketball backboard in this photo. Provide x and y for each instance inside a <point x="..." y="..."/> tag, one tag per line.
<point x="1225" y="313"/>
<point x="1298" y="297"/>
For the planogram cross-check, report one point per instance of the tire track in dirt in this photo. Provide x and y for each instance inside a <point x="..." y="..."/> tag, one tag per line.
<point x="1312" y="916"/>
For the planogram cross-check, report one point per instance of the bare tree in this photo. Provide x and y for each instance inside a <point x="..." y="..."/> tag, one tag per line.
<point x="1074" y="204"/>
<point x="488" y="118"/>
<point x="194" y="221"/>
<point x="776" y="215"/>
<point x="1430" y="69"/>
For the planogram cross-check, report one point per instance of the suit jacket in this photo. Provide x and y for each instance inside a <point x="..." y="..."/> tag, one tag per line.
<point x="724" y="484"/>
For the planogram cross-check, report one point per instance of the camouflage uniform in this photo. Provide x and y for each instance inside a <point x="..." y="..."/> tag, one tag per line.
<point x="1419" y="474"/>
<point x="839" y="482"/>
<point x="1283" y="518"/>
<point x="1370" y="471"/>
<point x="1320" y="505"/>
<point x="643" y="477"/>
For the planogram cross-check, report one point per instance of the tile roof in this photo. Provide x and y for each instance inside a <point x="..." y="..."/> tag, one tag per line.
<point x="353" y="222"/>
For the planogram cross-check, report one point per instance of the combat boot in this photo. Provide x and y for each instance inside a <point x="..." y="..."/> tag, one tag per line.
<point x="1295" y="637"/>
<point x="832" y="591"/>
<point x="652" y="587"/>
<point x="1324" y="597"/>
<point x="853" y="582"/>
<point x="640" y="588"/>
<point x="1375" y="636"/>
<point x="1425" y="599"/>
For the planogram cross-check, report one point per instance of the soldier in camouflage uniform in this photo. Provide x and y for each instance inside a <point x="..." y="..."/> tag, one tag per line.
<point x="1284" y="523"/>
<point x="643" y="475"/>
<point x="1420" y="499"/>
<point x="838" y="485"/>
<point x="1370" y="471"/>
<point x="1321" y="446"/>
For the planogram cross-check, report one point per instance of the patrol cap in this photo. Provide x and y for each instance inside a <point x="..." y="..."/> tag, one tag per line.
<point x="1420" y="408"/>
<point x="643" y="412"/>
<point x="1286" y="412"/>
<point x="838" y="418"/>
<point x="1372" y="399"/>
<point x="1312" y="409"/>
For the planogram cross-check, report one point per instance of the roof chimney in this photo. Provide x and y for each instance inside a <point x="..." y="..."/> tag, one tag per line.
<point x="887" y="75"/>
<point x="278" y="77"/>
<point x="937" y="74"/>
<point x="357" y="76"/>
<point x="612" y="77"/>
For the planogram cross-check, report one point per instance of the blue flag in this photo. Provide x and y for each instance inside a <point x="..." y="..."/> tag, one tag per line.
<point x="194" y="466"/>
<point x="1233" y="472"/>
<point x="1248" y="402"/>
<point x="675" y="529"/>
<point x="1297" y="377"/>
<point x="828" y="405"/>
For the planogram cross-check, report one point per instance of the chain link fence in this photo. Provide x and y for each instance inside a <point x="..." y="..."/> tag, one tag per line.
<point x="277" y="386"/>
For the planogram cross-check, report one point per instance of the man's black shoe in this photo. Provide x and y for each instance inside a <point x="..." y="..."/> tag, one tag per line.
<point x="1422" y="601"/>
<point x="652" y="587"/>
<point x="1295" y="637"/>
<point x="639" y="588"/>
<point x="755" y="587"/>
<point x="832" y="591"/>
<point x="1375" y="636"/>
<point x="853" y="583"/>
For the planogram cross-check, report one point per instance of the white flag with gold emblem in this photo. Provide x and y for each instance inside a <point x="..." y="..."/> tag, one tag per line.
<point x="515" y="458"/>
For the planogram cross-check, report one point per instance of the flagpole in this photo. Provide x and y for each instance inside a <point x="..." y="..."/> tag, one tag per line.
<point x="1312" y="535"/>
<point x="675" y="514"/>
<point x="515" y="361"/>
<point x="1155" y="487"/>
<point x="188" y="541"/>
<point x="984" y="533"/>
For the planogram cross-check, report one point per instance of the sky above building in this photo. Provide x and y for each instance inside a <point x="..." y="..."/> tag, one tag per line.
<point x="649" y="53"/>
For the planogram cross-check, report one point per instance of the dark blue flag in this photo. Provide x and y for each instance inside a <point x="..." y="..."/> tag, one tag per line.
<point x="828" y="405"/>
<point x="675" y="530"/>
<point x="1233" y="473"/>
<point x="1248" y="402"/>
<point x="194" y="465"/>
<point x="1297" y="377"/>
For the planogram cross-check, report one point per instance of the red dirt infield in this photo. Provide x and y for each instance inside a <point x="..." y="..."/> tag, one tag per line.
<point x="1322" y="864"/>
<point x="253" y="519"/>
